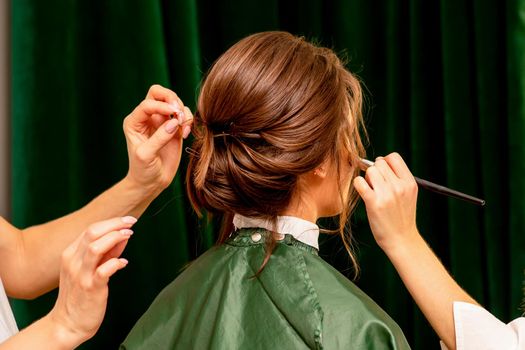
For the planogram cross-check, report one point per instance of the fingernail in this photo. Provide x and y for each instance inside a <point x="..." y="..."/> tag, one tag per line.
<point x="126" y="232"/>
<point x="186" y="132"/>
<point x="124" y="261"/>
<point x="129" y="220"/>
<point x="176" y="108"/>
<point x="171" y="126"/>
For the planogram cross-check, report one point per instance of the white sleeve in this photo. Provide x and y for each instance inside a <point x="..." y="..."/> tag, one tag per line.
<point x="7" y="321"/>
<point x="478" y="329"/>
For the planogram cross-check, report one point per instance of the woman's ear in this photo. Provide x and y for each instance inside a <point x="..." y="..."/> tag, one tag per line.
<point x="322" y="170"/>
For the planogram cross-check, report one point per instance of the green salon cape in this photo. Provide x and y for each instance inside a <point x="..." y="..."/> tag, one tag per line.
<point x="298" y="302"/>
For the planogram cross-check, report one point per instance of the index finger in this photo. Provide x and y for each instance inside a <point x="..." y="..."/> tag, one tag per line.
<point x="161" y="93"/>
<point x="149" y="110"/>
<point x="98" y="229"/>
<point x="96" y="250"/>
<point x="399" y="166"/>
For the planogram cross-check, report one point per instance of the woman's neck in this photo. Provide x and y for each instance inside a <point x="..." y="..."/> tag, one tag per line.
<point x="301" y="208"/>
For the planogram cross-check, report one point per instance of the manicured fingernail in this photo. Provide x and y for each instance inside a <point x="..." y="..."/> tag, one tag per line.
<point x="186" y="132"/>
<point x="124" y="261"/>
<point x="126" y="232"/>
<point x="129" y="220"/>
<point x="171" y="126"/>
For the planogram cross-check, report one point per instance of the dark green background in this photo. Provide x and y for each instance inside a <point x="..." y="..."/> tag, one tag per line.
<point x="445" y="88"/>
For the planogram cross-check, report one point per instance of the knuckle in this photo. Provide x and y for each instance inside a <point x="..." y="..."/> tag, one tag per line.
<point x="394" y="155"/>
<point x="142" y="154"/>
<point x="145" y="104"/>
<point x="65" y="258"/>
<point x="379" y="205"/>
<point x="69" y="267"/>
<point x="91" y="233"/>
<point x="155" y="87"/>
<point x="67" y="253"/>
<point x="86" y="284"/>
<point x="411" y="185"/>
<point x="398" y="190"/>
<point x="93" y="249"/>
<point x="100" y="274"/>
<point x="164" y="182"/>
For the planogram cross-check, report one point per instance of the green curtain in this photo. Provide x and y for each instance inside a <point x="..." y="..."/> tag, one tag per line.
<point x="445" y="87"/>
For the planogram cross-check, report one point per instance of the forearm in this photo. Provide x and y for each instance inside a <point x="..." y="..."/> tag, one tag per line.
<point x="40" y="246"/>
<point x="43" y="334"/>
<point x="429" y="283"/>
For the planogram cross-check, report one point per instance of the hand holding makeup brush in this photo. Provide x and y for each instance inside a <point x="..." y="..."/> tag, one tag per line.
<point x="389" y="191"/>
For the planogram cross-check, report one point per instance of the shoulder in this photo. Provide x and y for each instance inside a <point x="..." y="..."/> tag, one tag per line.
<point x="349" y="313"/>
<point x="198" y="279"/>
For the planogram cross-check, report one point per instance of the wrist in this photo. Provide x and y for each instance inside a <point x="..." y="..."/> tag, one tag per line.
<point x="64" y="336"/>
<point x="141" y="191"/>
<point x="403" y="245"/>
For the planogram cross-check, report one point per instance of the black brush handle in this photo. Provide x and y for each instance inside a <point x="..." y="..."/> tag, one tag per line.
<point x="435" y="187"/>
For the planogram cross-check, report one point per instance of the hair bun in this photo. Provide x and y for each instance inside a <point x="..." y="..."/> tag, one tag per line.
<point x="271" y="108"/>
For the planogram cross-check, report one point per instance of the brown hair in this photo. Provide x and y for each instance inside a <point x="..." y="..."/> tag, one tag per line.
<point x="271" y="108"/>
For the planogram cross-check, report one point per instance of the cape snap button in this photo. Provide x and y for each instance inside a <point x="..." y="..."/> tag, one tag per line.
<point x="256" y="237"/>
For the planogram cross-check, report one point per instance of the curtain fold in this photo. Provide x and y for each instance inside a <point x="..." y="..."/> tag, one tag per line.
<point x="445" y="87"/>
<point x="515" y="12"/>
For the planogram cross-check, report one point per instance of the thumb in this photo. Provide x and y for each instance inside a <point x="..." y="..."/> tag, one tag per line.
<point x="161" y="137"/>
<point x="108" y="269"/>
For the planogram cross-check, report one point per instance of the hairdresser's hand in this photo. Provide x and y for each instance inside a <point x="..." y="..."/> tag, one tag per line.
<point x="87" y="265"/>
<point x="154" y="140"/>
<point x="389" y="191"/>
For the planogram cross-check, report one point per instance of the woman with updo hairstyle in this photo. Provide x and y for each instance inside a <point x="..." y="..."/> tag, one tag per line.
<point x="277" y="144"/>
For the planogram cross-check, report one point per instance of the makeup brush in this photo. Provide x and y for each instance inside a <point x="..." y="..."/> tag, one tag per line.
<point x="435" y="187"/>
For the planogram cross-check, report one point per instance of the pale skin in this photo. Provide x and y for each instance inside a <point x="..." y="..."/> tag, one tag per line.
<point x="390" y="195"/>
<point x="83" y="248"/>
<point x="319" y="192"/>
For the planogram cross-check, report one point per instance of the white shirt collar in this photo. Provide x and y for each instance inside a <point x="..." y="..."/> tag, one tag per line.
<point x="302" y="230"/>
